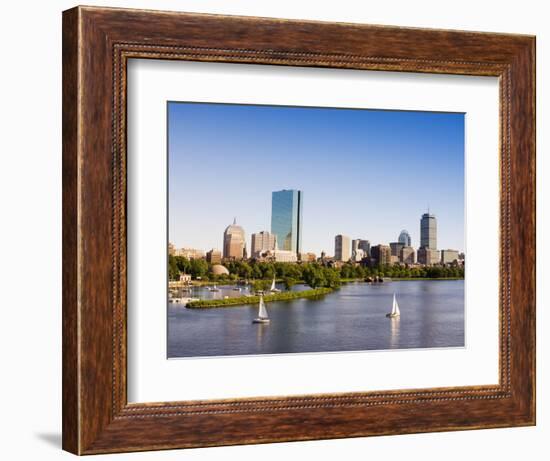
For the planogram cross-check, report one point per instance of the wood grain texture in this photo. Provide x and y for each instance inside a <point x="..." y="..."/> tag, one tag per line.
<point x="97" y="43"/>
<point x="70" y="384"/>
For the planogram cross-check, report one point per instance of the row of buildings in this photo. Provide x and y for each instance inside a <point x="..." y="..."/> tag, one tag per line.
<point x="401" y="251"/>
<point x="283" y="242"/>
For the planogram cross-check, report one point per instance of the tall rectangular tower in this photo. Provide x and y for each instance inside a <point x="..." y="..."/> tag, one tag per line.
<point x="341" y="248"/>
<point x="286" y="219"/>
<point x="428" y="231"/>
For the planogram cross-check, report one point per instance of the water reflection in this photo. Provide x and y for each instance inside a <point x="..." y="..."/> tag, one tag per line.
<point x="394" y="332"/>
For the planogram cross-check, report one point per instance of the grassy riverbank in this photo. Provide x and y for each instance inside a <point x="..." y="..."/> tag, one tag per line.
<point x="239" y="301"/>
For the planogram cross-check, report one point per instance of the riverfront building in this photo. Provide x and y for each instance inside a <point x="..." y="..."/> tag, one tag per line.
<point x="308" y="257"/>
<point x="396" y="248"/>
<point x="214" y="256"/>
<point x="381" y="254"/>
<point x="359" y="249"/>
<point x="280" y="256"/>
<point x="407" y="255"/>
<point x="449" y="256"/>
<point x="286" y="219"/>
<point x="341" y="248"/>
<point x="234" y="243"/>
<point x="189" y="253"/>
<point x="428" y="231"/>
<point x="428" y="256"/>
<point x="261" y="242"/>
<point x="404" y="238"/>
<point x="365" y="246"/>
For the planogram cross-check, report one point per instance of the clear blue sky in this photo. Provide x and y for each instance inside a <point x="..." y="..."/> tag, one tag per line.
<point x="364" y="173"/>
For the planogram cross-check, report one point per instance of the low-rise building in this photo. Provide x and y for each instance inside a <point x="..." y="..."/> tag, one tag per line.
<point x="407" y="255"/>
<point x="428" y="256"/>
<point x="308" y="257"/>
<point x="359" y="244"/>
<point x="381" y="254"/>
<point x="185" y="278"/>
<point x="214" y="256"/>
<point x="358" y="255"/>
<point x="261" y="242"/>
<point x="189" y="253"/>
<point x="449" y="256"/>
<point x="396" y="248"/>
<point x="282" y="256"/>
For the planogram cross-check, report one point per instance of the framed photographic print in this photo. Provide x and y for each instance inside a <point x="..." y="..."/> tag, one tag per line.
<point x="284" y="230"/>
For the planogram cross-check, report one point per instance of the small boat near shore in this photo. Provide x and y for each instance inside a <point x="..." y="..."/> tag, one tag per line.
<point x="262" y="312"/>
<point x="273" y="289"/>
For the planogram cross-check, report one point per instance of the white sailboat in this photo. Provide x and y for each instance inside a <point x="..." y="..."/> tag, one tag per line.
<point x="262" y="313"/>
<point x="214" y="288"/>
<point x="273" y="289"/>
<point x="394" y="309"/>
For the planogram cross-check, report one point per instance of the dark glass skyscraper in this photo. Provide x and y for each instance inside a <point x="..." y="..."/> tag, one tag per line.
<point x="428" y="231"/>
<point x="286" y="219"/>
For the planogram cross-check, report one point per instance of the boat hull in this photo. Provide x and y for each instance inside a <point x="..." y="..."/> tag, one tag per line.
<point x="258" y="320"/>
<point x="392" y="316"/>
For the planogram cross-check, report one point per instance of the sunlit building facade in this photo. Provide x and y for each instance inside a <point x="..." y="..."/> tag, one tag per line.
<point x="407" y="255"/>
<point x="286" y="219"/>
<point x="449" y="256"/>
<point x="261" y="242"/>
<point x="359" y="249"/>
<point x="342" y="248"/>
<point x="234" y="243"/>
<point x="428" y="256"/>
<point x="214" y="256"/>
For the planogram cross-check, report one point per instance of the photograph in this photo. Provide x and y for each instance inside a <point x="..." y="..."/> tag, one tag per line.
<point x="313" y="229"/>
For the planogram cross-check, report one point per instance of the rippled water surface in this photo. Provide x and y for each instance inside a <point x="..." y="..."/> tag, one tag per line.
<point x="352" y="318"/>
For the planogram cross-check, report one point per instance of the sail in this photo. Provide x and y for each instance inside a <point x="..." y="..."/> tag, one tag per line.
<point x="273" y="284"/>
<point x="395" y="307"/>
<point x="262" y="311"/>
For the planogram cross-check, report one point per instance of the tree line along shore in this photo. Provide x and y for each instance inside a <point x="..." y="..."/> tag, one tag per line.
<point x="260" y="273"/>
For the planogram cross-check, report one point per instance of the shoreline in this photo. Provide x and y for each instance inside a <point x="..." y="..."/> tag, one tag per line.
<point x="244" y="300"/>
<point x="406" y="279"/>
<point x="297" y="282"/>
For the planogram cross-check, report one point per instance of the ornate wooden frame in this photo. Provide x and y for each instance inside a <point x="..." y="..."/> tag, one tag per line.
<point x="97" y="43"/>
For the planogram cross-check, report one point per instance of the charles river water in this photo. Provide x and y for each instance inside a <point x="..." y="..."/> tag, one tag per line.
<point x="352" y="318"/>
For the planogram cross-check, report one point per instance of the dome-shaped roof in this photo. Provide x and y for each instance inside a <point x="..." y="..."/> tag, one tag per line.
<point x="234" y="228"/>
<point x="218" y="269"/>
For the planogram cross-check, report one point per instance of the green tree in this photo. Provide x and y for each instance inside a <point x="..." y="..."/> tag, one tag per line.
<point x="289" y="282"/>
<point x="173" y="271"/>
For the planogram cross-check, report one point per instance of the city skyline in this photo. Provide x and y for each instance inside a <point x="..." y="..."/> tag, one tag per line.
<point x="344" y="247"/>
<point x="235" y="172"/>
